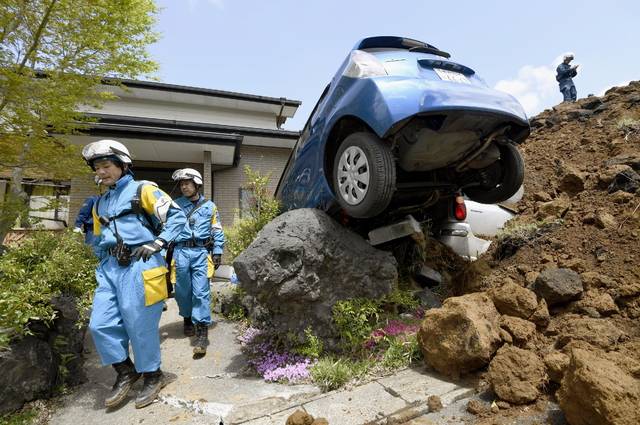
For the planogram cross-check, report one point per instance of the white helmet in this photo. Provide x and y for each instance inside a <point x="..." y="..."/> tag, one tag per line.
<point x="567" y="55"/>
<point x="187" y="174"/>
<point x="149" y="182"/>
<point x="98" y="180"/>
<point x="104" y="150"/>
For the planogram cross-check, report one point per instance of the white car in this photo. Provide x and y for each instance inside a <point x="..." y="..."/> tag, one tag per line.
<point x="464" y="219"/>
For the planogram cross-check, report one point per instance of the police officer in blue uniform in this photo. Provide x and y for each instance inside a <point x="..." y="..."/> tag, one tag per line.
<point x="197" y="253"/>
<point x="84" y="221"/>
<point x="565" y="74"/>
<point x="131" y="274"/>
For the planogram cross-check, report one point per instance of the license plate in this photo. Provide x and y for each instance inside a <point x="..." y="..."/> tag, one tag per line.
<point x="447" y="75"/>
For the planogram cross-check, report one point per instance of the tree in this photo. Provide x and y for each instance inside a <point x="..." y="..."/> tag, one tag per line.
<point x="55" y="57"/>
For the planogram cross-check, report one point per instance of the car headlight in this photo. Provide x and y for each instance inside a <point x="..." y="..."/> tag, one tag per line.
<point x="364" y="65"/>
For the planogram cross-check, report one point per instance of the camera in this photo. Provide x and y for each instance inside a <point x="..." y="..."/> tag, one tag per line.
<point x="123" y="253"/>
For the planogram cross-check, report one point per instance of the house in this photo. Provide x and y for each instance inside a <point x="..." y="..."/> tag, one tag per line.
<point x="166" y="127"/>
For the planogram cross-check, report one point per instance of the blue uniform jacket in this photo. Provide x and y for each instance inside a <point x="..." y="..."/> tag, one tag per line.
<point x="85" y="216"/>
<point x="565" y="75"/>
<point x="154" y="201"/>
<point x="206" y="223"/>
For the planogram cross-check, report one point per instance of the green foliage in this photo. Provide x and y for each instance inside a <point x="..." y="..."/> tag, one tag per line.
<point x="354" y="318"/>
<point x="54" y="59"/>
<point x="330" y="374"/>
<point x="628" y="125"/>
<point x="261" y="207"/>
<point x="312" y="348"/>
<point x="401" y="353"/>
<point x="45" y="264"/>
<point x="237" y="313"/>
<point x="19" y="418"/>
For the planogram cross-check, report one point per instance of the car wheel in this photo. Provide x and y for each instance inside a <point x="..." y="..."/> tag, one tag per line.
<point x="364" y="175"/>
<point x="505" y="176"/>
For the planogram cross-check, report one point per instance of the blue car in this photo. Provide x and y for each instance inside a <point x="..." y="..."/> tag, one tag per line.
<point x="399" y="129"/>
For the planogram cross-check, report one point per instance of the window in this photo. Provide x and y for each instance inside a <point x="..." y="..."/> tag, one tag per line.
<point x="40" y="194"/>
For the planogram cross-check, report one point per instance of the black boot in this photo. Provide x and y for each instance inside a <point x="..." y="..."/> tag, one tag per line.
<point x="127" y="375"/>
<point x="202" y="338"/>
<point x="189" y="329"/>
<point x="153" y="383"/>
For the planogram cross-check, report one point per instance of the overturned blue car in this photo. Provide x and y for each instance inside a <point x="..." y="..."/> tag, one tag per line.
<point x="399" y="129"/>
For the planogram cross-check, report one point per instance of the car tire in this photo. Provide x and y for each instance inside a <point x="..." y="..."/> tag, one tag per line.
<point x="506" y="176"/>
<point x="364" y="175"/>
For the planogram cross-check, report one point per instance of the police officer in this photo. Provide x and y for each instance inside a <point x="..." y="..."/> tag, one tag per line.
<point x="565" y="74"/>
<point x="197" y="253"/>
<point x="131" y="272"/>
<point x="84" y="221"/>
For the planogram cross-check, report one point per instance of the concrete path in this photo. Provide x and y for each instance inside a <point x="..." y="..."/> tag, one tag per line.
<point x="219" y="389"/>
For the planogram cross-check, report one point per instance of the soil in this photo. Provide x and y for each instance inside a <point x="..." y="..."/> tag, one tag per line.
<point x="571" y="156"/>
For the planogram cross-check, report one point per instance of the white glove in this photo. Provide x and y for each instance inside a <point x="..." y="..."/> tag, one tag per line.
<point x="77" y="230"/>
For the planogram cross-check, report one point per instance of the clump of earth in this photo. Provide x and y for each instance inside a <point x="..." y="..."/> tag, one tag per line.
<point x="556" y="299"/>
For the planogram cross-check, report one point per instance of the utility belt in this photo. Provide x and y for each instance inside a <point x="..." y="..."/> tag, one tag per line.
<point x="122" y="252"/>
<point x="198" y="243"/>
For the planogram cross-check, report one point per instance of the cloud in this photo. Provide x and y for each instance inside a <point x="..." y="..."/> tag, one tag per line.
<point x="193" y="4"/>
<point x="535" y="88"/>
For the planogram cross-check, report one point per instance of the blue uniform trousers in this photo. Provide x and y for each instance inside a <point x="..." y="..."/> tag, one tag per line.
<point x="120" y="315"/>
<point x="192" y="284"/>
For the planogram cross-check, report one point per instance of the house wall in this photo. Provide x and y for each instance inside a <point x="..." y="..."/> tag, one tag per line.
<point x="227" y="183"/>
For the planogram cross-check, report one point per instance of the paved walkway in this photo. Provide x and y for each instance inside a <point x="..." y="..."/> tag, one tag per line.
<point x="219" y="389"/>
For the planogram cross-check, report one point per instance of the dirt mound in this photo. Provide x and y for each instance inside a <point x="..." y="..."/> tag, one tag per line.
<point x="580" y="212"/>
<point x="574" y="247"/>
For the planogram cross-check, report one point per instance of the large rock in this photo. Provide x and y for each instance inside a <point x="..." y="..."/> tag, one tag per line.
<point x="514" y="300"/>
<point x="28" y="373"/>
<point x="517" y="375"/>
<point x="51" y="357"/>
<point x="597" y="332"/>
<point x="460" y="336"/>
<point x="302" y="263"/>
<point x="558" y="285"/>
<point x="595" y="391"/>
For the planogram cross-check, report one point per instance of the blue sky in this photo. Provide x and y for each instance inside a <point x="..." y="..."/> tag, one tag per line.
<point x="289" y="48"/>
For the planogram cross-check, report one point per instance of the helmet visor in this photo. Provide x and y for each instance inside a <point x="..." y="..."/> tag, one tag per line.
<point x="98" y="149"/>
<point x="183" y="175"/>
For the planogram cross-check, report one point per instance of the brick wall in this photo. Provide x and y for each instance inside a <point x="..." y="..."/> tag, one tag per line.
<point x="227" y="182"/>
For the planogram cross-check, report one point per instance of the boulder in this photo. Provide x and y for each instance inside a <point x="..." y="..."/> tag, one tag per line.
<point x="557" y="363"/>
<point x="28" y="373"/>
<point x="551" y="210"/>
<point x="607" y="176"/>
<point x="520" y="330"/>
<point x="558" y="286"/>
<point x="514" y="300"/>
<point x="428" y="299"/>
<point x="631" y="160"/>
<point x="36" y="364"/>
<point x="572" y="181"/>
<point x="461" y="335"/>
<point x="302" y="263"/>
<point x="594" y="391"/>
<point x="597" y="332"/>
<point x="517" y="375"/>
<point x="626" y="180"/>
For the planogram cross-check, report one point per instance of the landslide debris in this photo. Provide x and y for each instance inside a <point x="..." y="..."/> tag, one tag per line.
<point x="565" y="276"/>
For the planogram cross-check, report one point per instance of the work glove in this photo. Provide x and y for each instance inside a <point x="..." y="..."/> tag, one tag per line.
<point x="147" y="250"/>
<point x="77" y="230"/>
<point x="217" y="258"/>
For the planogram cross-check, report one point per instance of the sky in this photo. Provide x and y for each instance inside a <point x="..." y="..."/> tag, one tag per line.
<point x="292" y="48"/>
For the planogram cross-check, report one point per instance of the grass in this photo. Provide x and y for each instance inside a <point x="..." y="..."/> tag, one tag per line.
<point x="517" y="235"/>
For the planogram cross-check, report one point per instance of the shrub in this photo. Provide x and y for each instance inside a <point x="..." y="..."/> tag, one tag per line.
<point x="44" y="264"/>
<point x="259" y="208"/>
